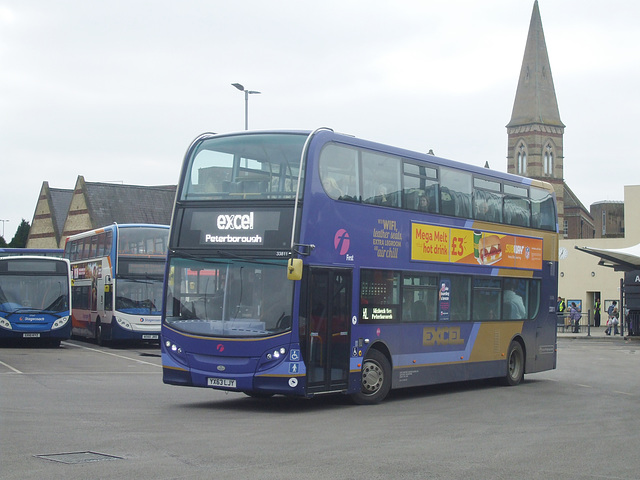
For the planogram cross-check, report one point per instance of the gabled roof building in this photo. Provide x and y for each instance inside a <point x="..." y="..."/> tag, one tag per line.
<point x="92" y="205"/>
<point x="49" y="217"/>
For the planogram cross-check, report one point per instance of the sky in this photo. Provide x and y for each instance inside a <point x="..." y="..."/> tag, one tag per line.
<point x="117" y="90"/>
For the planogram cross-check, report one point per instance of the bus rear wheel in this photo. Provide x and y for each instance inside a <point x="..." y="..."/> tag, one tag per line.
<point x="376" y="379"/>
<point x="515" y="365"/>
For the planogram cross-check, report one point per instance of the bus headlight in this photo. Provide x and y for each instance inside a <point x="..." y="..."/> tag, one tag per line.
<point x="172" y="347"/>
<point x="4" y="323"/>
<point x="123" y="323"/>
<point x="277" y="353"/>
<point x="174" y="350"/>
<point x="272" y="358"/>
<point x="61" y="322"/>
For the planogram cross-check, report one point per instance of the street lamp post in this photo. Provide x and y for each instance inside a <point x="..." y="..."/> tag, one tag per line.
<point x="1" y="220"/>
<point x="246" y="102"/>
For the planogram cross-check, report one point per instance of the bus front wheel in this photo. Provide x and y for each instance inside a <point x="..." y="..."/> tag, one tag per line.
<point x="515" y="365"/>
<point x="376" y="379"/>
<point x="99" y="333"/>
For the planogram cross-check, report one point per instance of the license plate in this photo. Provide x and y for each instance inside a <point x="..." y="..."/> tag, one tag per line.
<point x="149" y="337"/>
<point x="221" y="382"/>
<point x="30" y="335"/>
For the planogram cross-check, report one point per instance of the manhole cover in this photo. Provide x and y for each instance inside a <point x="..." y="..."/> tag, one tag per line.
<point x="78" y="457"/>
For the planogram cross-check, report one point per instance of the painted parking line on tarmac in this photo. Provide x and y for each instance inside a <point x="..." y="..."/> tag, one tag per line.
<point x="14" y="370"/>
<point x="623" y="393"/>
<point x="104" y="352"/>
<point x="613" y="391"/>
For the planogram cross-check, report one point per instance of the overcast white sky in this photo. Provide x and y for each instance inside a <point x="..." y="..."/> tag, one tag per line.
<point x="116" y="90"/>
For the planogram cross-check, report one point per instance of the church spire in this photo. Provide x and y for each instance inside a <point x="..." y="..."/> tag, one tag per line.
<point x="535" y="131"/>
<point x="535" y="101"/>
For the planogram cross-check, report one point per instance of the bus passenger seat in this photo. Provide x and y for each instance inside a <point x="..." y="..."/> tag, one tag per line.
<point x="418" y="311"/>
<point x="447" y="204"/>
<point x="463" y="204"/>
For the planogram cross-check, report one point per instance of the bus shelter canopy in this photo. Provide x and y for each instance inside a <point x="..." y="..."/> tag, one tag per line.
<point x="621" y="259"/>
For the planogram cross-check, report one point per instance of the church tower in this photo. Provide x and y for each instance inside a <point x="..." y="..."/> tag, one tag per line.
<point x="535" y="131"/>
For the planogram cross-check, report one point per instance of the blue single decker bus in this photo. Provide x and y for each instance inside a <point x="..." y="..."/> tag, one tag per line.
<point x="35" y="298"/>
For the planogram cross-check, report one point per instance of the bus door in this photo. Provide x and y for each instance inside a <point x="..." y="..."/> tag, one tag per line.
<point x="326" y="351"/>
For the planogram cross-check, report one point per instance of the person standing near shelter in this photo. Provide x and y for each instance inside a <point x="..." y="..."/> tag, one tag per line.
<point x="615" y="320"/>
<point x="596" y="313"/>
<point x="627" y="320"/>
<point x="575" y="316"/>
<point x="612" y="311"/>
<point x="561" y="306"/>
<point x="560" y="310"/>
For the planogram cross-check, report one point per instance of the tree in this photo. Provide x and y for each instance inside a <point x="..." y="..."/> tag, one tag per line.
<point x="20" y="238"/>
<point x="3" y="242"/>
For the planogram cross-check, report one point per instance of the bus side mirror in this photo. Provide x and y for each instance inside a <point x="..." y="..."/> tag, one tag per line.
<point x="294" y="269"/>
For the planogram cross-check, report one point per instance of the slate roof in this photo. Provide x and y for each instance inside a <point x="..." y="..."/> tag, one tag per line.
<point x="571" y="200"/>
<point x="59" y="206"/>
<point x="109" y="203"/>
<point x="535" y="100"/>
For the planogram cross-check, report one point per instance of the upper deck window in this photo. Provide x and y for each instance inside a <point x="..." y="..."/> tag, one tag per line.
<point x="420" y="187"/>
<point x="543" y="209"/>
<point x="455" y="192"/>
<point x="353" y="174"/>
<point x="143" y="241"/>
<point x="357" y="174"/>
<point x="487" y="200"/>
<point x="517" y="206"/>
<point x="250" y="166"/>
<point x="381" y="179"/>
<point x="339" y="172"/>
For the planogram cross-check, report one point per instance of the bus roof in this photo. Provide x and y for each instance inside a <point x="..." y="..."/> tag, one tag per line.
<point x="325" y="134"/>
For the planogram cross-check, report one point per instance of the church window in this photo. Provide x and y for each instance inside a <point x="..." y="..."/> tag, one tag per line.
<point x="548" y="160"/>
<point x="522" y="159"/>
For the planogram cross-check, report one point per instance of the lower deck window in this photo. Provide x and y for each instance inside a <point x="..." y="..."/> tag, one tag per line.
<point x="486" y="298"/>
<point x="388" y="296"/>
<point x="419" y="298"/>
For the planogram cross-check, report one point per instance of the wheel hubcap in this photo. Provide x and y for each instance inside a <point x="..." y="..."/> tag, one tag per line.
<point x="514" y="365"/>
<point x="372" y="377"/>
